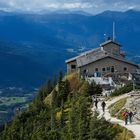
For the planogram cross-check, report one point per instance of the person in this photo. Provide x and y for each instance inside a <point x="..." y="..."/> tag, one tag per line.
<point x="93" y="98"/>
<point x="130" y="116"/>
<point x="96" y="103"/>
<point x="125" y="115"/>
<point x="103" y="106"/>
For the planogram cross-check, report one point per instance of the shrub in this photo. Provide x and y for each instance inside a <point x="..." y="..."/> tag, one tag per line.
<point x="122" y="90"/>
<point x="125" y="134"/>
<point x="117" y="107"/>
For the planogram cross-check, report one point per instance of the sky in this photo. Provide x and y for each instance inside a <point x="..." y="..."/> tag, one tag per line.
<point x="91" y="6"/>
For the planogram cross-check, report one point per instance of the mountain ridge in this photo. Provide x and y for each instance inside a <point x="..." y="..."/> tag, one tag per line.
<point x="34" y="47"/>
<point x="69" y="31"/>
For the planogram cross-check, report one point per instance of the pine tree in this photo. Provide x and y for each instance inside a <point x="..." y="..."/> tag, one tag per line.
<point x="60" y="76"/>
<point x="84" y="118"/>
<point x="63" y="91"/>
<point x="93" y="89"/>
<point x="54" y="81"/>
<point x="53" y="105"/>
<point x="72" y="124"/>
<point x="49" y="87"/>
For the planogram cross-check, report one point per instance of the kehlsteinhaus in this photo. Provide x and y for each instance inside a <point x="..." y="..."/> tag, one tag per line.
<point x="102" y="61"/>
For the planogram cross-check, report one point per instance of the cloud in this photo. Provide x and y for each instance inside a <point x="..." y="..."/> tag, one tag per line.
<point x="93" y="6"/>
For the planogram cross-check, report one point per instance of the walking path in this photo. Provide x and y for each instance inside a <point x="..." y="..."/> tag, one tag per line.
<point x="135" y="128"/>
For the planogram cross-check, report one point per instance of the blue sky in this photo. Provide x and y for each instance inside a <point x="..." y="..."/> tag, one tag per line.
<point x="92" y="6"/>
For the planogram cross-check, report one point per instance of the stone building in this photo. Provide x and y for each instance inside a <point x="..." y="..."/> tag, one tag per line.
<point x="102" y="61"/>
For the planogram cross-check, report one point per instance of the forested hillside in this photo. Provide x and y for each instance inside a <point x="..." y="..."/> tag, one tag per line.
<point x="34" y="47"/>
<point x="62" y="111"/>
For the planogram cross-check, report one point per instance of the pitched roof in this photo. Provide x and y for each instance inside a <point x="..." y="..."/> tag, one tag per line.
<point x="91" y="51"/>
<point x="82" y="54"/>
<point x="95" y="55"/>
<point x="81" y="61"/>
<point x="109" y="41"/>
<point x="71" y="59"/>
<point x="85" y="61"/>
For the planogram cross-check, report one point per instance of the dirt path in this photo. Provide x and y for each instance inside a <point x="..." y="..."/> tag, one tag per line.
<point x="135" y="128"/>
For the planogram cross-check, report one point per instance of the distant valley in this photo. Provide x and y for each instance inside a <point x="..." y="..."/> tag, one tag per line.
<point x="34" y="47"/>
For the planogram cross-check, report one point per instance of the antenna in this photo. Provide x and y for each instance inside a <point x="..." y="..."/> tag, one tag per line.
<point x="105" y="37"/>
<point x="114" y="35"/>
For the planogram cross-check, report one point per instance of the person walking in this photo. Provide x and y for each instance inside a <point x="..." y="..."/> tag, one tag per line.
<point x="103" y="106"/>
<point x="96" y="103"/>
<point x="130" y="116"/>
<point x="125" y="116"/>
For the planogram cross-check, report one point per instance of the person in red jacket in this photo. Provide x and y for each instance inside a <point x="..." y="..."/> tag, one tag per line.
<point x="125" y="115"/>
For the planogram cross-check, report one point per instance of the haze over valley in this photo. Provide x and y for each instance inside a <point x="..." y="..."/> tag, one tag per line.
<point x="34" y="47"/>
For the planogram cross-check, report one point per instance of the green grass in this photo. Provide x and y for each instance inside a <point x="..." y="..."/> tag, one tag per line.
<point x="122" y="90"/>
<point x="115" y="109"/>
<point x="125" y="133"/>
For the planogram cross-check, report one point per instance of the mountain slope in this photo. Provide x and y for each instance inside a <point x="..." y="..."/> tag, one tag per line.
<point x="64" y="115"/>
<point x="33" y="47"/>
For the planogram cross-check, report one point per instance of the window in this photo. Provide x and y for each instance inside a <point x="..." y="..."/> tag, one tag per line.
<point x="125" y="69"/>
<point x="112" y="69"/>
<point x="96" y="69"/>
<point x="103" y="69"/>
<point x="73" y="66"/>
<point x="85" y="71"/>
<point x="108" y="68"/>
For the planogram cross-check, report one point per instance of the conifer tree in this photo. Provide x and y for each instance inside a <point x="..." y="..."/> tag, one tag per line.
<point x="66" y="118"/>
<point x="73" y="121"/>
<point x="50" y="86"/>
<point x="53" y="105"/>
<point x="84" y="118"/>
<point x="60" y="76"/>
<point x="93" y="89"/>
<point x="54" y="81"/>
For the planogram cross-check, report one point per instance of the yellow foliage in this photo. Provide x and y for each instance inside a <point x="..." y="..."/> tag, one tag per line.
<point x="66" y="110"/>
<point x="125" y="134"/>
<point x="48" y="100"/>
<point x="73" y="80"/>
<point x="75" y="85"/>
<point x="117" y="107"/>
<point x="58" y="115"/>
<point x="71" y="76"/>
<point x="83" y="88"/>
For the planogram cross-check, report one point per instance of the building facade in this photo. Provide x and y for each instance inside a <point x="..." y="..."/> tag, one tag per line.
<point x="102" y="61"/>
